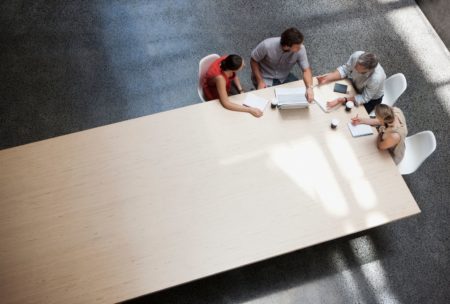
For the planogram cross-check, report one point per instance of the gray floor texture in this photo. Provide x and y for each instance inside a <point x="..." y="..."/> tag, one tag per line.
<point x="67" y="66"/>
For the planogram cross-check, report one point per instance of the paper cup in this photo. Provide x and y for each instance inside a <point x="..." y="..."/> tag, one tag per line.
<point x="349" y="106"/>
<point x="334" y="123"/>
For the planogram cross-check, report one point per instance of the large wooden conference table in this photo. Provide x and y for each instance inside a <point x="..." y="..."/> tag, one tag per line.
<point x="123" y="210"/>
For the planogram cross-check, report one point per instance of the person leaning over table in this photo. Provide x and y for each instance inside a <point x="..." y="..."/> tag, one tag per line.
<point x="392" y="129"/>
<point x="273" y="58"/>
<point x="367" y="76"/>
<point x="217" y="83"/>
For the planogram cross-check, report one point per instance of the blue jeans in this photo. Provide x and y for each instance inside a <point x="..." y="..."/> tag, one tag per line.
<point x="275" y="82"/>
<point x="290" y="78"/>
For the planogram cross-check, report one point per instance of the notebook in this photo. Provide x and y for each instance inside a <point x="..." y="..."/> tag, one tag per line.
<point x="290" y="98"/>
<point x="254" y="101"/>
<point x="360" y="130"/>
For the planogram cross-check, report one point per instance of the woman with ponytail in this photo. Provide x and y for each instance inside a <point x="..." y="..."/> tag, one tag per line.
<point x="217" y="83"/>
<point x="392" y="129"/>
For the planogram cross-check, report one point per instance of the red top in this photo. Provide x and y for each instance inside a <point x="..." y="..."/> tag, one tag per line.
<point x="208" y="86"/>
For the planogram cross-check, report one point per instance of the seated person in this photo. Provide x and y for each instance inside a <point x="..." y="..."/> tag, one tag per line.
<point x="367" y="76"/>
<point x="392" y="129"/>
<point x="273" y="59"/>
<point x="217" y="83"/>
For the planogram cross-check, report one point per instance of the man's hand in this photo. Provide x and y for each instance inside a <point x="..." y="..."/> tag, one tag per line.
<point x="323" y="79"/>
<point x="261" y="85"/>
<point x="332" y="103"/>
<point x="310" y="94"/>
<point x="255" y="112"/>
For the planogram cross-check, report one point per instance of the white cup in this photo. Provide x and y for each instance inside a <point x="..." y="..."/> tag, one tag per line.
<point x="349" y="106"/>
<point x="334" y="123"/>
<point x="274" y="103"/>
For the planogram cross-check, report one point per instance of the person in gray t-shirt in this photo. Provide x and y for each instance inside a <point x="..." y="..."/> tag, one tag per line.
<point x="273" y="59"/>
<point x="366" y="74"/>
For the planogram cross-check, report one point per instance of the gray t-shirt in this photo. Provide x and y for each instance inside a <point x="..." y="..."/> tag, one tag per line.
<point x="369" y="85"/>
<point x="276" y="63"/>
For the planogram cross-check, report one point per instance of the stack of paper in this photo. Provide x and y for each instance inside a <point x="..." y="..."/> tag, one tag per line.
<point x="254" y="101"/>
<point x="360" y="130"/>
<point x="291" y="98"/>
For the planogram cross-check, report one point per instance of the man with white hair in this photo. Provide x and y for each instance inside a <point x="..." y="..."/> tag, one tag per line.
<point x="367" y="76"/>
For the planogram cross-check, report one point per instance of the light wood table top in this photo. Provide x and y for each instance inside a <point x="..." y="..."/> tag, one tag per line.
<point x="119" y="211"/>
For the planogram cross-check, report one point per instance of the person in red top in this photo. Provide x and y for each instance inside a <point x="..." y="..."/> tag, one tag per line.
<point x="217" y="83"/>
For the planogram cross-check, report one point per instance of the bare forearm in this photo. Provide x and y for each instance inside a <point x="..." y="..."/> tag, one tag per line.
<point x="333" y="76"/>
<point x="256" y="70"/>
<point x="234" y="107"/>
<point x="371" y="121"/>
<point x="307" y="77"/>
<point x="226" y="103"/>
<point x="238" y="85"/>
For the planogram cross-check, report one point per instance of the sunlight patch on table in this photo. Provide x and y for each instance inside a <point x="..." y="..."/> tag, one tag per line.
<point x="302" y="156"/>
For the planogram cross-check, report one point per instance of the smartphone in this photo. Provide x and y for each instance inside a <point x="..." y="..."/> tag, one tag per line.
<point x="340" y="88"/>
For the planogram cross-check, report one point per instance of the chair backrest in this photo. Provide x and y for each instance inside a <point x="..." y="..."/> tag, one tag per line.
<point x="418" y="147"/>
<point x="394" y="86"/>
<point x="203" y="67"/>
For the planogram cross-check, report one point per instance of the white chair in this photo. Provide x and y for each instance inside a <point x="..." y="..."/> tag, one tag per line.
<point x="203" y="66"/>
<point x="394" y="87"/>
<point x="418" y="147"/>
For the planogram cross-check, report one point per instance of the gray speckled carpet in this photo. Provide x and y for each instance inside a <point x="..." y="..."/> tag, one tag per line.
<point x="66" y="67"/>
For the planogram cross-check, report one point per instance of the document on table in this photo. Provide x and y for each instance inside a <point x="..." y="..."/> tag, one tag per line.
<point x="322" y="96"/>
<point x="323" y="104"/>
<point x="360" y="130"/>
<point x="254" y="101"/>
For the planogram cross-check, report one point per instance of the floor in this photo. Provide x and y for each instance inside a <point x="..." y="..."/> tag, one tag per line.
<point x="67" y="67"/>
<point x="438" y="12"/>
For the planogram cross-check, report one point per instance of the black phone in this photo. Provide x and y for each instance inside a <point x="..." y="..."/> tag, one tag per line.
<point x="340" y="88"/>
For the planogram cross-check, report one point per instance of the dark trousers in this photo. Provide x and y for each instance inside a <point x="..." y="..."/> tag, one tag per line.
<point x="369" y="106"/>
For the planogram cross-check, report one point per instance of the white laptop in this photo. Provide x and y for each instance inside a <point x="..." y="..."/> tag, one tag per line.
<point x="291" y="98"/>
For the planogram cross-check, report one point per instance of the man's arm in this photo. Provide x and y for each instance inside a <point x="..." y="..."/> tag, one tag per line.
<point x="257" y="73"/>
<point x="330" y="77"/>
<point x="342" y="71"/>
<point x="307" y="79"/>
<point x="258" y="54"/>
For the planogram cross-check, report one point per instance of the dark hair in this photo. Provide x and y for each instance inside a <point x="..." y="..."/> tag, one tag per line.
<point x="232" y="62"/>
<point x="291" y="36"/>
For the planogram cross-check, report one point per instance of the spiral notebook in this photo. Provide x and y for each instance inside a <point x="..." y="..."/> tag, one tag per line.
<point x="360" y="130"/>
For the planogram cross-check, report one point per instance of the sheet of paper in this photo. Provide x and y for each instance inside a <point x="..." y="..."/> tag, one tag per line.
<point x="360" y="130"/>
<point x="254" y="101"/>
<point x="323" y="105"/>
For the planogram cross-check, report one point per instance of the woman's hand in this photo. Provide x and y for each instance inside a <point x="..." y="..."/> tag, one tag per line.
<point x="356" y="120"/>
<point x="255" y="112"/>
